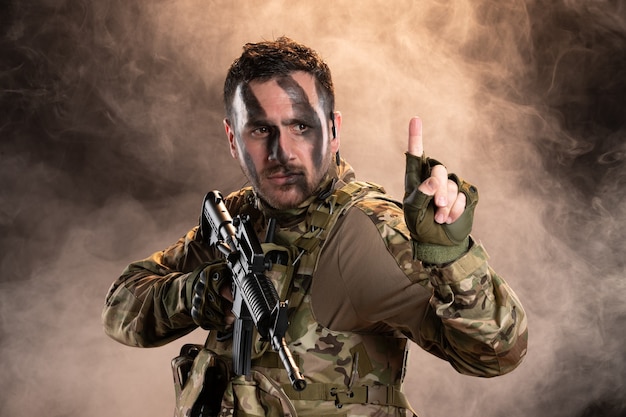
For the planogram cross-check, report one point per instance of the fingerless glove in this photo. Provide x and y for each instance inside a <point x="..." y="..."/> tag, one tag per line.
<point x="433" y="242"/>
<point x="208" y="307"/>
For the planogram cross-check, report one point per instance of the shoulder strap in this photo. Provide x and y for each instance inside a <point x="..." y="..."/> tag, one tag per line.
<point x="322" y="217"/>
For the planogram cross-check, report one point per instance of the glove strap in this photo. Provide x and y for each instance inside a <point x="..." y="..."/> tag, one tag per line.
<point x="438" y="254"/>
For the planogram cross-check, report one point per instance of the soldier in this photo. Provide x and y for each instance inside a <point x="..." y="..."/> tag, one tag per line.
<point x="362" y="276"/>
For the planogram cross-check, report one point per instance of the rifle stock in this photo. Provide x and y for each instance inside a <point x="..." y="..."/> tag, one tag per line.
<point x="256" y="301"/>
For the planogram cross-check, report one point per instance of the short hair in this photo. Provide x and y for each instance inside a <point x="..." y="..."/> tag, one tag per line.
<point x="265" y="60"/>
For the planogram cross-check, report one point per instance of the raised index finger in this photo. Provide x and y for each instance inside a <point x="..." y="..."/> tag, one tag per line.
<point x="416" y="144"/>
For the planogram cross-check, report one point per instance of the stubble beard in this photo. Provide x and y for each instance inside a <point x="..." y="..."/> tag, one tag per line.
<point x="286" y="196"/>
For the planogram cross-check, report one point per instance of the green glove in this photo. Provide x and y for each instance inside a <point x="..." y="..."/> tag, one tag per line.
<point x="208" y="307"/>
<point x="433" y="242"/>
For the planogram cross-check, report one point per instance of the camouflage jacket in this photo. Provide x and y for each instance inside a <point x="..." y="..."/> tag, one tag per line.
<point x="363" y="293"/>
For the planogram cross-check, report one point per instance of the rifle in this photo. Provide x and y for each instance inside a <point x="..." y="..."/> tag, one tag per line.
<point x="256" y="301"/>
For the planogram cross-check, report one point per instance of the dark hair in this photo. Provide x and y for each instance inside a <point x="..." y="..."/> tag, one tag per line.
<point x="265" y="60"/>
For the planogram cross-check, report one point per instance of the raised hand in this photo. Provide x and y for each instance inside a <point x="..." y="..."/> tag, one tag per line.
<point x="449" y="201"/>
<point x="438" y="207"/>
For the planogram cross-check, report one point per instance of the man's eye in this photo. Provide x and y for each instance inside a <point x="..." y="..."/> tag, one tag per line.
<point x="300" y="128"/>
<point x="261" y="131"/>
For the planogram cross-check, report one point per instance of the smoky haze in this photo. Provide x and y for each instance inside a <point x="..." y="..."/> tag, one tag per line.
<point x="111" y="134"/>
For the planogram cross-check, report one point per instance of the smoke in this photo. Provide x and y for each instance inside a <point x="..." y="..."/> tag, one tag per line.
<point x="110" y="134"/>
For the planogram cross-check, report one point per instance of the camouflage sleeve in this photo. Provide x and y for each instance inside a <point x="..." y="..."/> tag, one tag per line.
<point x="462" y="312"/>
<point x="148" y="305"/>
<point x="475" y="320"/>
<point x="475" y="317"/>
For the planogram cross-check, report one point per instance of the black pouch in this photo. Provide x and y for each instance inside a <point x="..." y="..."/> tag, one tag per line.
<point x="200" y="379"/>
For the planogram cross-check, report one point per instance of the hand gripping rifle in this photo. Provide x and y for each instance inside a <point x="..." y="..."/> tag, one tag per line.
<point x="256" y="300"/>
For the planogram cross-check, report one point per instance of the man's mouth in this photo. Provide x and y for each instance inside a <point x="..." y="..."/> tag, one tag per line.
<point x="284" y="177"/>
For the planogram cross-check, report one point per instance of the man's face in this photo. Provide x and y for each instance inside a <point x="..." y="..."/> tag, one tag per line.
<point x="280" y="134"/>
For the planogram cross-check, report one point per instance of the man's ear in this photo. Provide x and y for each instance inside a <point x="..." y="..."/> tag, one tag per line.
<point x="230" y="134"/>
<point x="335" y="132"/>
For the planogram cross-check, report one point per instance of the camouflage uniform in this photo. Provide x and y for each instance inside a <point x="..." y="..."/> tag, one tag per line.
<point x="356" y="298"/>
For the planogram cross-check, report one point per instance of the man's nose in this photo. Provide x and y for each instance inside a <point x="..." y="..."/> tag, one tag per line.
<point x="279" y="147"/>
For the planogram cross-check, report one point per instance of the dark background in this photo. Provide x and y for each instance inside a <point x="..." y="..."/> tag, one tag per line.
<point x="110" y="134"/>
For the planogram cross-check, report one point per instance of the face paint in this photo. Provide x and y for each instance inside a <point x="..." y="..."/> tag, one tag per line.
<point x="304" y="111"/>
<point x="254" y="111"/>
<point x="281" y="141"/>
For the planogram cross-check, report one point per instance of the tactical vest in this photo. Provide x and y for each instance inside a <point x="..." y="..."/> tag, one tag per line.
<point x="346" y="372"/>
